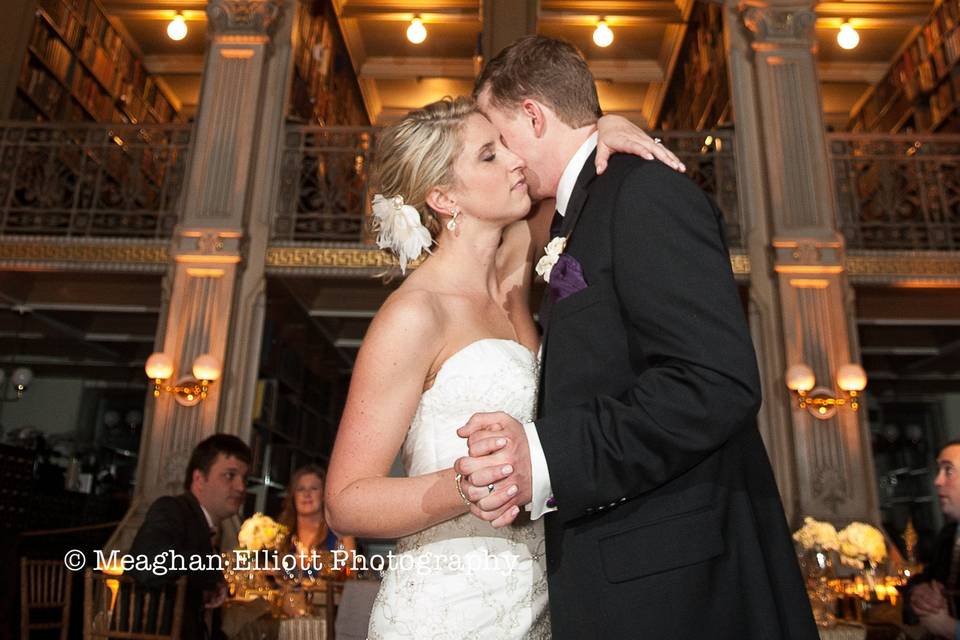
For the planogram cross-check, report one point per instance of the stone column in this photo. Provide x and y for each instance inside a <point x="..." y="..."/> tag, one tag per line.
<point x="216" y="281"/>
<point x="800" y="298"/>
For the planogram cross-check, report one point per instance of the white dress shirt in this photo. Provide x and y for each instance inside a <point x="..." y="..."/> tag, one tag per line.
<point x="540" y="473"/>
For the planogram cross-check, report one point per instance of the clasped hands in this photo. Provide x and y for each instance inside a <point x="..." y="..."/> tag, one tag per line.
<point x="497" y="477"/>
<point x="929" y="602"/>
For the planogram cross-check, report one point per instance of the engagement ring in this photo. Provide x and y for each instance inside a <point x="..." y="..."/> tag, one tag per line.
<point x="490" y="487"/>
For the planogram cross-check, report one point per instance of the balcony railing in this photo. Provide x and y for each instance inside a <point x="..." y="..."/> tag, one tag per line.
<point x="324" y="189"/>
<point x="76" y="179"/>
<point x="897" y="192"/>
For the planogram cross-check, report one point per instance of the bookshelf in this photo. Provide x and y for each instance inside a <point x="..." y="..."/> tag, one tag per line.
<point x="921" y="89"/>
<point x="325" y="88"/>
<point x="76" y="67"/>
<point x="698" y="96"/>
<point x="295" y="415"/>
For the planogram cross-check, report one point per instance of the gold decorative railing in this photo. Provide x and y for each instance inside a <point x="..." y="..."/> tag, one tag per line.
<point x="897" y="192"/>
<point x="324" y="189"/>
<point x="78" y="179"/>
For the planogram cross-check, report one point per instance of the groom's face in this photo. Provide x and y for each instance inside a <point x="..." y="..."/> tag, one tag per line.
<point x="517" y="134"/>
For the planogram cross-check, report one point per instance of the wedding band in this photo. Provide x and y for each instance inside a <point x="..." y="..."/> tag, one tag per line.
<point x="490" y="487"/>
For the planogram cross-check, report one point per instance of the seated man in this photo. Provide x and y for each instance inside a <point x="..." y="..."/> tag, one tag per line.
<point x="933" y="593"/>
<point x="215" y="485"/>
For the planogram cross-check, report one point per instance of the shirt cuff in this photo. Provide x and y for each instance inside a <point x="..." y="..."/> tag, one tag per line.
<point x="540" y="475"/>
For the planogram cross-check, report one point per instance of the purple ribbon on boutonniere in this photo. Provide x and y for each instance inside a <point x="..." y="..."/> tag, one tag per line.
<point x="566" y="278"/>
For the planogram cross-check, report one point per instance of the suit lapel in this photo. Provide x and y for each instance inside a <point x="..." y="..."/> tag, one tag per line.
<point x="578" y="199"/>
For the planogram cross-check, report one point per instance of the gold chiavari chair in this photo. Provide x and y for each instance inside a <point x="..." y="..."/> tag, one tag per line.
<point x="119" y="607"/>
<point x="44" y="585"/>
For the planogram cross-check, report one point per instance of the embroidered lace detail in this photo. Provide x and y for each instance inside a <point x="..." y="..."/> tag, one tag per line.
<point x="462" y="578"/>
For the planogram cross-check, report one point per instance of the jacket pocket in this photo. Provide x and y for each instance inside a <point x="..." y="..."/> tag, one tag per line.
<point x="672" y="543"/>
<point x="578" y="301"/>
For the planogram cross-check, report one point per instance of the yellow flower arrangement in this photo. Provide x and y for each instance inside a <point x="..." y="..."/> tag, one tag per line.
<point x="261" y="532"/>
<point x="816" y="534"/>
<point x="860" y="543"/>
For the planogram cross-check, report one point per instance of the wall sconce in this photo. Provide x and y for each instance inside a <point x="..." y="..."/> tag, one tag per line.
<point x="188" y="390"/>
<point x="822" y="402"/>
<point x="20" y="379"/>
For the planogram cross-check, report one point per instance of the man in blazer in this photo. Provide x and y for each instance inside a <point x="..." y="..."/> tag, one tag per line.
<point x="215" y="489"/>
<point x="933" y="598"/>
<point x="661" y="512"/>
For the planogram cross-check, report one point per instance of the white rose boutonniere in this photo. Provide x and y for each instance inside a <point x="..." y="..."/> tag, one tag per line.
<point x="553" y="251"/>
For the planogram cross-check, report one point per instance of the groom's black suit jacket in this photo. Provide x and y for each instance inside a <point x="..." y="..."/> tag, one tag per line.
<point x="669" y="523"/>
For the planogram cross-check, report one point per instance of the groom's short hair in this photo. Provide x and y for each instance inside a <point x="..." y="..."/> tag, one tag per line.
<point x="545" y="69"/>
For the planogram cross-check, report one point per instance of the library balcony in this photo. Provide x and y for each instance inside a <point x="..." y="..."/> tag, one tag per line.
<point x="79" y="179"/>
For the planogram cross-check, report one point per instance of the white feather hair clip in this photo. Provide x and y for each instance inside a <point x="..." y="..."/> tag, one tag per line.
<point x="400" y="229"/>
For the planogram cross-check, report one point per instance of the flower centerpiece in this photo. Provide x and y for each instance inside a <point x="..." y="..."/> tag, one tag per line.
<point x="817" y="535"/>
<point x="819" y="541"/>
<point x="862" y="545"/>
<point x="259" y="532"/>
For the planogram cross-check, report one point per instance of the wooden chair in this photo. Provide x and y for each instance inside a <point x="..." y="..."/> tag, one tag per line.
<point x="44" y="585"/>
<point x="119" y="607"/>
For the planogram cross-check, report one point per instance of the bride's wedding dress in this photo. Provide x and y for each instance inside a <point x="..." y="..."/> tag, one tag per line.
<point x="462" y="578"/>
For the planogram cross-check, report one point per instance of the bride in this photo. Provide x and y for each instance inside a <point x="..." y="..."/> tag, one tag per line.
<point x="456" y="338"/>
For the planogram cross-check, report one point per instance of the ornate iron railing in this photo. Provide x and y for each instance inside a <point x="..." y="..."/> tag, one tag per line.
<point x="79" y="179"/>
<point x="324" y="191"/>
<point x="897" y="192"/>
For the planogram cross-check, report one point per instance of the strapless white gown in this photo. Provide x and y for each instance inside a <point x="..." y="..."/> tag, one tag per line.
<point x="462" y="578"/>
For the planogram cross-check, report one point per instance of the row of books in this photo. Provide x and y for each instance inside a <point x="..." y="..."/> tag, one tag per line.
<point x="41" y="88"/>
<point x="912" y="92"/>
<point x="76" y="40"/>
<point x="51" y="51"/>
<point x="698" y="94"/>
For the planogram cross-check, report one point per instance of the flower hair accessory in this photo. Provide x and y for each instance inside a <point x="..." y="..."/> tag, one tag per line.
<point x="400" y="229"/>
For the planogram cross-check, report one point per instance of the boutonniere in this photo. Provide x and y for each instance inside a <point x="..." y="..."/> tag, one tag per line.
<point x="550" y="257"/>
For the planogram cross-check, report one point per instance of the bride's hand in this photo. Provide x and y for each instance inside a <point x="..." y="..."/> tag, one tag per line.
<point x="616" y="134"/>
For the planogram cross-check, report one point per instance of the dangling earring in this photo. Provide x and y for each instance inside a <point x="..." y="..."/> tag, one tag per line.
<point x="452" y="225"/>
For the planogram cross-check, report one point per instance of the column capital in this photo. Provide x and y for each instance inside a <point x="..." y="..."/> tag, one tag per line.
<point x="245" y="17"/>
<point x="781" y="24"/>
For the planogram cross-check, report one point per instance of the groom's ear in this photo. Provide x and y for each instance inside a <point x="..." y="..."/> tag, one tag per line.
<point x="534" y="113"/>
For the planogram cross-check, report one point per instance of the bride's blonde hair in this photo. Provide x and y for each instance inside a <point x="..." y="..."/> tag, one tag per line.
<point x="417" y="154"/>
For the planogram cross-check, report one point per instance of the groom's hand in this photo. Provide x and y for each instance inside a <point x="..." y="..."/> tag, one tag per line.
<point x="504" y="466"/>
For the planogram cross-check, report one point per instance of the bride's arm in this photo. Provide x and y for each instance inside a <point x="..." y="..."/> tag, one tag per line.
<point x="616" y="134"/>
<point x="387" y="382"/>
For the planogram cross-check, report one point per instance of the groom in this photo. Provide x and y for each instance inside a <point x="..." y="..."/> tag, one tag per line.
<point x="662" y="516"/>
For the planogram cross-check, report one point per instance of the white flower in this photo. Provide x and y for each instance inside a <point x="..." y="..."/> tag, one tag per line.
<point x="859" y="543"/>
<point x="400" y="229"/>
<point x="553" y="251"/>
<point x="260" y="532"/>
<point x="815" y="534"/>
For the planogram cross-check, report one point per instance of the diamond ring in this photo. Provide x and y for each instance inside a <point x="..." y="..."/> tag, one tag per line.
<point x="490" y="487"/>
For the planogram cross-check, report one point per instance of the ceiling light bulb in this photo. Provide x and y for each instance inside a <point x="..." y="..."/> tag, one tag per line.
<point x="847" y="37"/>
<point x="603" y="36"/>
<point x="416" y="32"/>
<point x="177" y="29"/>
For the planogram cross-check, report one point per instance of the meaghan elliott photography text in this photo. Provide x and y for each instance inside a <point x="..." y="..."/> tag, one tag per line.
<point x="171" y="561"/>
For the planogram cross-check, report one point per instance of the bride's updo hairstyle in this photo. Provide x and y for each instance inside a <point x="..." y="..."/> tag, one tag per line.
<point x="417" y="154"/>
